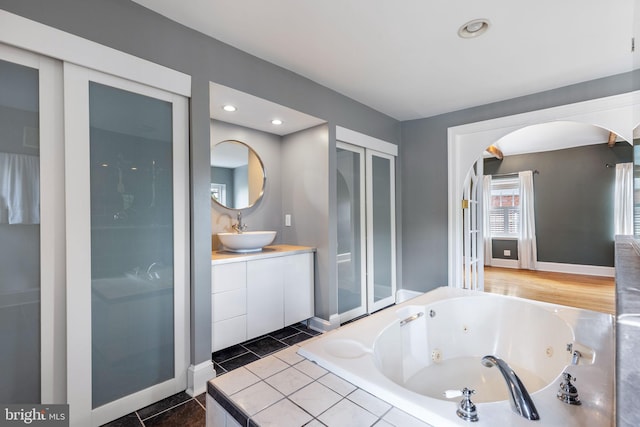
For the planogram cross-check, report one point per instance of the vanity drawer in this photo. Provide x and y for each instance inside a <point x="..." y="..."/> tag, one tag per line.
<point x="229" y="332"/>
<point x="229" y="304"/>
<point x="227" y="277"/>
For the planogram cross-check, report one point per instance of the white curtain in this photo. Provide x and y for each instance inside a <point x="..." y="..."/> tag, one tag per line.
<point x="623" y="199"/>
<point x="527" y="250"/>
<point x="19" y="189"/>
<point x="486" y="223"/>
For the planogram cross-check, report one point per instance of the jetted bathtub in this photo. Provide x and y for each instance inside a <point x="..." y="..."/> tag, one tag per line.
<point x="410" y="354"/>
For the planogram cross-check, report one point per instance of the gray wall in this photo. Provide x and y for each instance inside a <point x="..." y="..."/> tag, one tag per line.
<point x="267" y="213"/>
<point x="306" y="196"/>
<point x="130" y="28"/>
<point x="573" y="200"/>
<point x="423" y="171"/>
<point x="498" y="246"/>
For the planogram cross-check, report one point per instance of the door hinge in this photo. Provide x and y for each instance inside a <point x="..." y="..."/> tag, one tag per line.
<point x="633" y="44"/>
<point x="465" y="204"/>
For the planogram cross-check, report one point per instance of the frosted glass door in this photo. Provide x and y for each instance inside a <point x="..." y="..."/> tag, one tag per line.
<point x="351" y="232"/>
<point x="131" y="242"/>
<point x="31" y="229"/>
<point x="381" y="242"/>
<point x="19" y="234"/>
<point x="129" y="143"/>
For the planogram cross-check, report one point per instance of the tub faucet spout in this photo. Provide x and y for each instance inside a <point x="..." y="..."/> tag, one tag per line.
<point x="521" y="402"/>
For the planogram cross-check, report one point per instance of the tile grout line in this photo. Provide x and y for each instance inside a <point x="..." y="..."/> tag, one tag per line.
<point x="166" y="410"/>
<point x="200" y="403"/>
<point x="139" y="419"/>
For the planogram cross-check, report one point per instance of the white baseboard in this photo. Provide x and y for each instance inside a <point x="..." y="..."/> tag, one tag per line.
<point x="198" y="376"/>
<point x="322" y="325"/>
<point x="504" y="263"/>
<point x="556" y="267"/>
<point x="403" y="295"/>
<point x="589" y="270"/>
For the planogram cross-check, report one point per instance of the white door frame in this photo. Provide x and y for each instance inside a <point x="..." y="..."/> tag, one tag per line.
<point x="466" y="143"/>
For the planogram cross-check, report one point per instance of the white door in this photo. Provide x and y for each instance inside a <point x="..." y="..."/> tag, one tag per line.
<point x="381" y="230"/>
<point x="366" y="260"/>
<point x="31" y="229"/>
<point x="127" y="247"/>
<point x="351" y="226"/>
<point x="472" y="235"/>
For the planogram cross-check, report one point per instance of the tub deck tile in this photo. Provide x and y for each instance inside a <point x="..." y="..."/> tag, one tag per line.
<point x="286" y="389"/>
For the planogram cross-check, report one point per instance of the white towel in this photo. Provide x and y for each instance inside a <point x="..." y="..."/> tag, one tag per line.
<point x="19" y="189"/>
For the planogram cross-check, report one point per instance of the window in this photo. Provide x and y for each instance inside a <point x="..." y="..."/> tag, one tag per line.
<point x="504" y="215"/>
<point x="219" y="192"/>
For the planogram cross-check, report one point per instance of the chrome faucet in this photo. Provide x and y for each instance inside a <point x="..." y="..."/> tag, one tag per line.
<point x="239" y="227"/>
<point x="521" y="402"/>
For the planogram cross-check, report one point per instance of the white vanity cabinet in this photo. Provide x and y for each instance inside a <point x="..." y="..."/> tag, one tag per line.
<point x="298" y="288"/>
<point x="229" y="304"/>
<point x="260" y="293"/>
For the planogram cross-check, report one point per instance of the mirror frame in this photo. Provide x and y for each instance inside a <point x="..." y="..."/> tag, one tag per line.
<point x="264" y="176"/>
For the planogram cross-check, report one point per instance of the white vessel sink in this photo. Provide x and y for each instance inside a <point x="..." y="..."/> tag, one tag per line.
<point x="248" y="241"/>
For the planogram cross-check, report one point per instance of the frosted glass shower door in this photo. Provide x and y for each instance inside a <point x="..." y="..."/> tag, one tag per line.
<point x="127" y="202"/>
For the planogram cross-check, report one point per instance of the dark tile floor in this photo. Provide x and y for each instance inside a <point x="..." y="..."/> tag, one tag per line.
<point x="185" y="411"/>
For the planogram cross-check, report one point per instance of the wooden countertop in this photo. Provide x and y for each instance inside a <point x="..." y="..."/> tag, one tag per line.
<point x="224" y="257"/>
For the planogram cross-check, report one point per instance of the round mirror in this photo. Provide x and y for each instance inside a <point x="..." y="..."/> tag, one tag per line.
<point x="237" y="175"/>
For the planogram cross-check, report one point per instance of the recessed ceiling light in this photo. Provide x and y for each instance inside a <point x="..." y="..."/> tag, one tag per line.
<point x="276" y="122"/>
<point x="229" y="108"/>
<point x="474" y="28"/>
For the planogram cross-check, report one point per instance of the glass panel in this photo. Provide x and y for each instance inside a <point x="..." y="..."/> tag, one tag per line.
<point x="19" y="235"/>
<point x="349" y="192"/>
<point x="131" y="242"/>
<point x="381" y="215"/>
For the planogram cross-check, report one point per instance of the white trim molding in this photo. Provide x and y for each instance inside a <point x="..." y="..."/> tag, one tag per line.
<point x="466" y="143"/>
<point x="321" y="325"/>
<point x="198" y="376"/>
<point x="587" y="270"/>
<point x="504" y="263"/>
<point x="365" y="141"/>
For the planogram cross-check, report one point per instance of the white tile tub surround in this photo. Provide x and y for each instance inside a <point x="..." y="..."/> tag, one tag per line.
<point x="287" y="390"/>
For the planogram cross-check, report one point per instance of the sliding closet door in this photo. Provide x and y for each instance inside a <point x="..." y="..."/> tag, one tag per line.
<point x="350" y="193"/>
<point x="126" y="158"/>
<point x="31" y="229"/>
<point x="381" y="230"/>
<point x="366" y="230"/>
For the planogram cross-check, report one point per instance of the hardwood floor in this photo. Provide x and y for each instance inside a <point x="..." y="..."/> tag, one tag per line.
<point x="590" y="292"/>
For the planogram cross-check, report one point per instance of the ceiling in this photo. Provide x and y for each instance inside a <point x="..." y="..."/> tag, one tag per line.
<point x="405" y="59"/>
<point x="256" y="113"/>
<point x="550" y="136"/>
